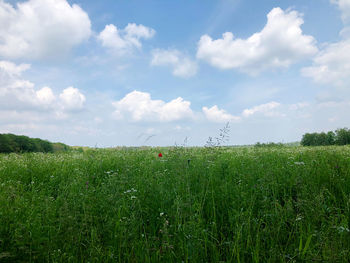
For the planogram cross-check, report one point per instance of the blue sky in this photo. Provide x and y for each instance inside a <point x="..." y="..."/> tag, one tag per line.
<point x="133" y="73"/>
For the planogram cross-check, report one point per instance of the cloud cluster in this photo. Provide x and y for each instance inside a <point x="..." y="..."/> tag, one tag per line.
<point x="19" y="94"/>
<point x="265" y="109"/>
<point x="122" y="41"/>
<point x="72" y="99"/>
<point x="344" y="6"/>
<point x="139" y="106"/>
<point x="280" y="43"/>
<point x="38" y="29"/>
<point x="214" y="114"/>
<point x="331" y="65"/>
<point x="181" y="65"/>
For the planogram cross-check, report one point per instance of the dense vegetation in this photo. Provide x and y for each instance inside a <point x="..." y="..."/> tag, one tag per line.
<point x="339" y="137"/>
<point x="14" y="143"/>
<point x="257" y="204"/>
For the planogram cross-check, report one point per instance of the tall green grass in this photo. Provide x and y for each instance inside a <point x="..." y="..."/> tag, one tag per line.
<point x="191" y="205"/>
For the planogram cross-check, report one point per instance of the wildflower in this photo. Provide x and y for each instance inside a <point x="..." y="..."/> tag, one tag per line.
<point x="160" y="155"/>
<point x="342" y="229"/>
<point x="130" y="191"/>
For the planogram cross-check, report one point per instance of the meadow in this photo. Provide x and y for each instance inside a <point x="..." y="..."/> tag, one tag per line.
<point x="214" y="204"/>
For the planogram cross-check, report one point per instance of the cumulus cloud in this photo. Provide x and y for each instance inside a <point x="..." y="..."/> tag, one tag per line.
<point x="331" y="65"/>
<point x="215" y="114"/>
<point x="12" y="69"/>
<point x="122" y="41"/>
<point x="45" y="96"/>
<point x="181" y="65"/>
<point x="139" y="106"/>
<point x="280" y="43"/>
<point x="72" y="99"/>
<point x="344" y="6"/>
<point x="17" y="93"/>
<point x="266" y="109"/>
<point x="41" y="28"/>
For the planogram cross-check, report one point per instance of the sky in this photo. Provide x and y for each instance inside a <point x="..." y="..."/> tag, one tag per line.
<point x="164" y="72"/>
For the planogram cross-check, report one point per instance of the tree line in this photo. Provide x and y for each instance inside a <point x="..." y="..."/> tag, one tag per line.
<point x="20" y="143"/>
<point x="337" y="137"/>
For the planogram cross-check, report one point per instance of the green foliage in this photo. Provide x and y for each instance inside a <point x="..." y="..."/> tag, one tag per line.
<point x="342" y="136"/>
<point x="253" y="204"/>
<point x="60" y="147"/>
<point x="339" y="137"/>
<point x="330" y="139"/>
<point x="14" y="143"/>
<point x="270" y="144"/>
<point x="5" y="144"/>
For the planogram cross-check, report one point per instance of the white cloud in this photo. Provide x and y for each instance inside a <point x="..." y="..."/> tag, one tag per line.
<point x="139" y="106"/>
<point x="123" y="41"/>
<point x="135" y="32"/>
<point x="344" y="6"/>
<point x="215" y="114"/>
<point x="298" y="106"/>
<point x="266" y="109"/>
<point x="41" y="28"/>
<point x="331" y="65"/>
<point x="12" y="69"/>
<point x="72" y="99"/>
<point x="14" y="91"/>
<point x="19" y="94"/>
<point x="45" y="96"/>
<point x="181" y="65"/>
<point x="280" y="43"/>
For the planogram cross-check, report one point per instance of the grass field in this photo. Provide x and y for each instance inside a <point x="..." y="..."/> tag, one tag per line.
<point x="286" y="204"/>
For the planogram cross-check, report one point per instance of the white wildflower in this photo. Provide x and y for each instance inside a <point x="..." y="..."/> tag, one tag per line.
<point x="342" y="229"/>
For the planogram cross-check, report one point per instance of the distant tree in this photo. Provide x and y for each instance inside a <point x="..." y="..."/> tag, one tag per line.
<point x="60" y="147"/>
<point x="25" y="144"/>
<point x="46" y="146"/>
<point x="342" y="136"/>
<point x="14" y="143"/>
<point x="321" y="139"/>
<point x="5" y="144"/>
<point x="330" y="138"/>
<point x="258" y="144"/>
<point x="339" y="137"/>
<point x="308" y="139"/>
<point x="269" y="144"/>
